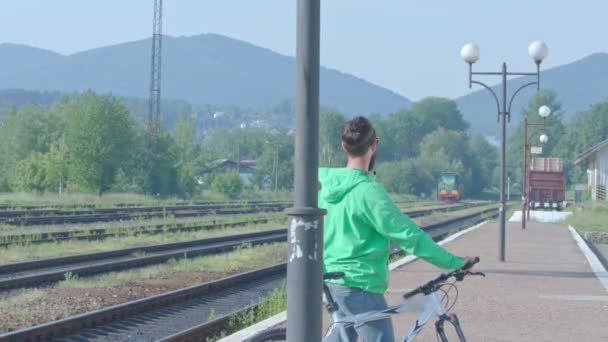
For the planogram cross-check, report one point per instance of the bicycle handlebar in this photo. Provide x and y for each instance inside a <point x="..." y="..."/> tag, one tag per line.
<point x="434" y="284"/>
<point x="470" y="264"/>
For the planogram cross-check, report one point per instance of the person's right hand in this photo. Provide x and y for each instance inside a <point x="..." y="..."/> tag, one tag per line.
<point x="467" y="263"/>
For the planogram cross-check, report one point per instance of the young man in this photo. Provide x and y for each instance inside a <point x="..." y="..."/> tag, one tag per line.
<point x="361" y="221"/>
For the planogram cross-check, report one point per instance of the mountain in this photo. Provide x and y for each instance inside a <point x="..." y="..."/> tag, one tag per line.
<point x="578" y="85"/>
<point x="206" y="69"/>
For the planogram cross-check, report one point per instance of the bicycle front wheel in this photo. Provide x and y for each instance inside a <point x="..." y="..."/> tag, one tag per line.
<point x="272" y="335"/>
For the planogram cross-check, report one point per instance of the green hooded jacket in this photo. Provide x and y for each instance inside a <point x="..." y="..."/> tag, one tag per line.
<point x="361" y="221"/>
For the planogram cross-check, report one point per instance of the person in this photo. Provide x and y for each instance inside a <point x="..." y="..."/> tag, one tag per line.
<point x="361" y="221"/>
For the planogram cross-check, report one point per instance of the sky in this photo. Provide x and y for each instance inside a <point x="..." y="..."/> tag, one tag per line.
<point x="410" y="47"/>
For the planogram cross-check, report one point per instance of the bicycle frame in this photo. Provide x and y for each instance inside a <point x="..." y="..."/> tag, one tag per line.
<point x="428" y="305"/>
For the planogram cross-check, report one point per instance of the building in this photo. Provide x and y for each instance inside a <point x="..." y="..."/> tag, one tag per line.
<point x="596" y="160"/>
<point x="246" y="168"/>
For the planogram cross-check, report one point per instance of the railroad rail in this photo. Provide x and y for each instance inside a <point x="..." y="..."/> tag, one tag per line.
<point x="102" y="233"/>
<point x="183" y="315"/>
<point x="130" y="205"/>
<point x="35" y="272"/>
<point x="119" y="214"/>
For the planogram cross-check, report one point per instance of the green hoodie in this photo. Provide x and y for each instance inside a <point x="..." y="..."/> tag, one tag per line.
<point x="361" y="221"/>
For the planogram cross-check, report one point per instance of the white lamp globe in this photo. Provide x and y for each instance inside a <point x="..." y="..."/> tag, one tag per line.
<point x="538" y="51"/>
<point x="544" y="111"/>
<point x="470" y="53"/>
<point x="544" y="138"/>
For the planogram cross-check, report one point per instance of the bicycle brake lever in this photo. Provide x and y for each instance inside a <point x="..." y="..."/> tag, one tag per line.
<point x="460" y="276"/>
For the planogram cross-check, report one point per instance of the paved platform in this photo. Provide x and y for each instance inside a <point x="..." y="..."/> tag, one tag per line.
<point x="542" y="216"/>
<point x="545" y="291"/>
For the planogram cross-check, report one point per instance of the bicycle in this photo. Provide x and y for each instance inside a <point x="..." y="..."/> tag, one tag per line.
<point x="430" y="304"/>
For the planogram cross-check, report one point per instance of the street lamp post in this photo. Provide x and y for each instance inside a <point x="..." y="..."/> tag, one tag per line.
<point x="470" y="54"/>
<point x="544" y="112"/>
<point x="238" y="149"/>
<point x="305" y="231"/>
<point x="275" y="163"/>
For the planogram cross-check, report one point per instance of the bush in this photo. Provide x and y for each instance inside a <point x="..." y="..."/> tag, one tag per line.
<point x="405" y="177"/>
<point x="229" y="184"/>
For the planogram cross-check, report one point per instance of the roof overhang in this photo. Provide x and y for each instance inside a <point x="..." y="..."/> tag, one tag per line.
<point x="584" y="156"/>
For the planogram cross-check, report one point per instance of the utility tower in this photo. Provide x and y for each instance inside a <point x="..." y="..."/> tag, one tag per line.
<point x="155" y="71"/>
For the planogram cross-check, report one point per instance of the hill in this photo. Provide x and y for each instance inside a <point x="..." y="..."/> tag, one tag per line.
<point x="206" y="69"/>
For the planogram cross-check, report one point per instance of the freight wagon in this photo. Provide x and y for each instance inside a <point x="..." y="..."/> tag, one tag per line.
<point x="546" y="183"/>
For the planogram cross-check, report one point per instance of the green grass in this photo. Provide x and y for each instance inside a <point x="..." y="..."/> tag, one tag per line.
<point x="593" y="217"/>
<point x="112" y="199"/>
<point x="243" y="258"/>
<point x="25" y="251"/>
<point x="270" y="305"/>
<point x="27" y="303"/>
<point x="108" y="200"/>
<point x="28" y="307"/>
<point x="126" y="227"/>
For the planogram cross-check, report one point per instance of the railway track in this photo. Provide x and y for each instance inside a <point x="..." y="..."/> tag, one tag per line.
<point x="30" y="215"/>
<point x="35" y="272"/>
<point x="40" y="271"/>
<point x="102" y="233"/>
<point x="442" y="209"/>
<point x="183" y="315"/>
<point x="120" y="214"/>
<point x="128" y="205"/>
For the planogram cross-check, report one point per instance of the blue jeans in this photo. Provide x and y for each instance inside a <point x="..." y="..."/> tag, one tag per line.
<point x="352" y="301"/>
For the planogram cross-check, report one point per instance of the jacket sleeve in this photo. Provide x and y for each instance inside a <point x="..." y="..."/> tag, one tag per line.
<point x="382" y="213"/>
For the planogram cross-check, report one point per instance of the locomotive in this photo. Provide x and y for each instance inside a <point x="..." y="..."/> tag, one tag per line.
<point x="449" y="188"/>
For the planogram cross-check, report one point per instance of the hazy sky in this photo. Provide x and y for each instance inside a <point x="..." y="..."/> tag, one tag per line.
<point x="411" y="47"/>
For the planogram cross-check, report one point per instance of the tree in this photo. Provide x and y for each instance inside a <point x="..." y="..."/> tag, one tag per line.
<point x="435" y="112"/>
<point x="187" y="155"/>
<point x="263" y="175"/>
<point x="484" y="162"/>
<point x="23" y="132"/>
<point x="330" y="139"/>
<point x="405" y="177"/>
<point x="448" y="150"/>
<point x="98" y="137"/>
<point x="405" y="130"/>
<point x="588" y="128"/>
<point x="184" y="135"/>
<point x="30" y="173"/>
<point x="554" y="129"/>
<point x="56" y="167"/>
<point x="229" y="184"/>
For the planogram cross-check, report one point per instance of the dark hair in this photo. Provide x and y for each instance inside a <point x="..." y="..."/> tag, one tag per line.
<point x="358" y="135"/>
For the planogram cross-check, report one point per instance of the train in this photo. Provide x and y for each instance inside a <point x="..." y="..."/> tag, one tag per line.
<point x="449" y="187"/>
<point x="546" y="184"/>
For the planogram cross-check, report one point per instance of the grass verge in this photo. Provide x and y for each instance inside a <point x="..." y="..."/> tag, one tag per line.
<point x="593" y="217"/>
<point x="25" y="251"/>
<point x="24" y="308"/>
<point x="270" y="305"/>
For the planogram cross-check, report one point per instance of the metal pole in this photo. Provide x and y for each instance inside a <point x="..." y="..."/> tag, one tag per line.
<point x="305" y="239"/>
<point x="523" y="173"/>
<point x="527" y="165"/>
<point x="238" y="158"/>
<point x="276" y="168"/>
<point x="508" y="188"/>
<point x="503" y="163"/>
